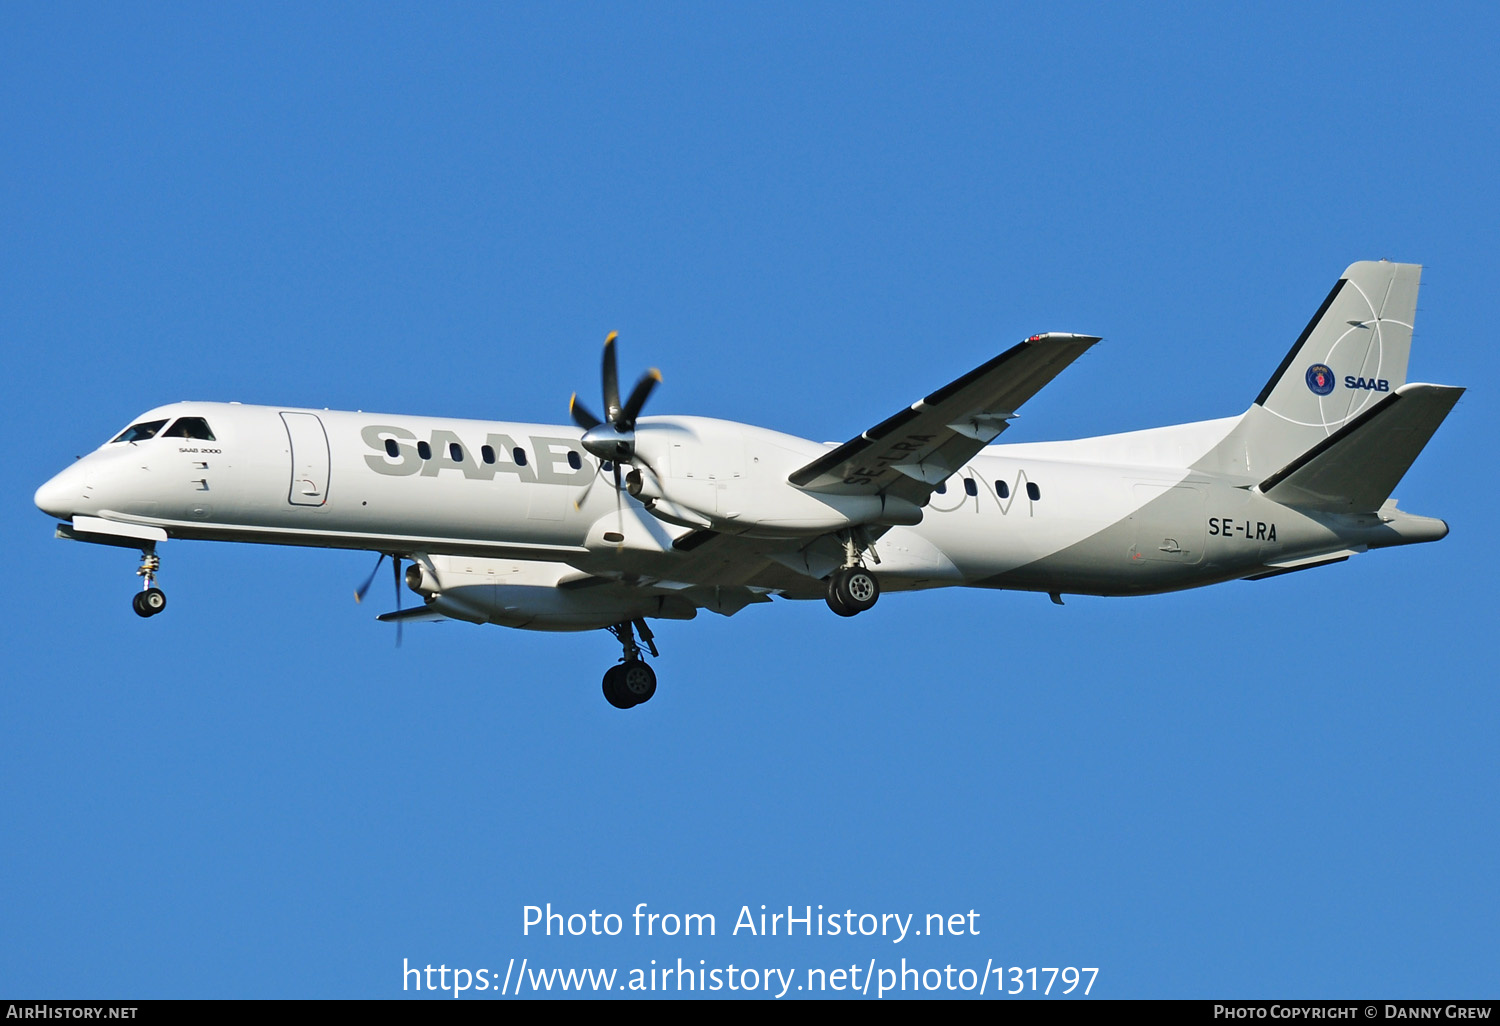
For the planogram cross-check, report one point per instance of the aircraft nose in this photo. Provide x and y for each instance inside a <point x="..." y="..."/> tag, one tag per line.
<point x="59" y="496"/>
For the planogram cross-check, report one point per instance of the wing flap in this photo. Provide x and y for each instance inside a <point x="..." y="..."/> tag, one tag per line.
<point x="910" y="452"/>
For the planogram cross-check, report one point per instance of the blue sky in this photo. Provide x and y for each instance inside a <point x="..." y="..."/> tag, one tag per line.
<point x="807" y="218"/>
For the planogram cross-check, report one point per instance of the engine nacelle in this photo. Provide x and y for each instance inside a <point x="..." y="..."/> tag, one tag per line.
<point x="732" y="478"/>
<point x="522" y="593"/>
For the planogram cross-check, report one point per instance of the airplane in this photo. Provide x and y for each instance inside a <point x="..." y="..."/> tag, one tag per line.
<point x="616" y="520"/>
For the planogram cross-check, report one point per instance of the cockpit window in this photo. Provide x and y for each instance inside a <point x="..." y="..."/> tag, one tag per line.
<point x="140" y="432"/>
<point x="189" y="427"/>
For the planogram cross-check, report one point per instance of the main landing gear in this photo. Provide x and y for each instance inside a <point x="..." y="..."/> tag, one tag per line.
<point x="631" y="682"/>
<point x="852" y="589"/>
<point x="151" y="600"/>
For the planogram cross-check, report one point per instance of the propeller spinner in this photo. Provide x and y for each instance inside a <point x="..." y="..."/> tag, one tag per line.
<point x="613" y="438"/>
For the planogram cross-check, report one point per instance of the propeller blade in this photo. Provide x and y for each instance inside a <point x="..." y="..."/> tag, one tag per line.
<point x="638" y="458"/>
<point x="638" y="396"/>
<point x="611" y="380"/>
<point x="584" y="495"/>
<point x="619" y="503"/>
<point x="396" y="566"/>
<point x="364" y="589"/>
<point x="581" y="414"/>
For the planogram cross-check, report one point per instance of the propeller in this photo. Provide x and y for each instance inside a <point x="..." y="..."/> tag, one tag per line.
<point x="364" y="589"/>
<point x="396" y="567"/>
<point x="613" y="438"/>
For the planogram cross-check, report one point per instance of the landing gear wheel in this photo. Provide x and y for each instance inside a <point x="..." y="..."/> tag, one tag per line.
<point x="837" y="604"/>
<point x="149" y="602"/>
<point x="637" y="681"/>
<point x="852" y="590"/>
<point x="614" y="689"/>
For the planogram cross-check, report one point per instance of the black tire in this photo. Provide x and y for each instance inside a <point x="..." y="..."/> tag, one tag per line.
<point x="153" y="601"/>
<point x="136" y="604"/>
<point x="856" y="588"/>
<point x="614" y="690"/>
<point x="637" y="681"/>
<point x="834" y="601"/>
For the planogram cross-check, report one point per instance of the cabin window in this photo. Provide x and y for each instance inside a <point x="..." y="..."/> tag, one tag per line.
<point x="574" y="460"/>
<point x="607" y="466"/>
<point x="456" y="452"/>
<point x="487" y="453"/>
<point x="392" y="449"/>
<point x="424" y="450"/>
<point x="942" y="488"/>
<point x="519" y="454"/>
<point x="190" y="427"/>
<point x="971" y="487"/>
<point x="1033" y="491"/>
<point x="142" y="431"/>
<point x="1002" y="489"/>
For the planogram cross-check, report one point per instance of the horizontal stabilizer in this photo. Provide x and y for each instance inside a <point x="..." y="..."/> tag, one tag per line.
<point x="1355" y="469"/>
<point x="1291" y="566"/>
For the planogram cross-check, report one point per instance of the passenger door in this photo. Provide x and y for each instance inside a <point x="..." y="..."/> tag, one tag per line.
<point x="310" y="459"/>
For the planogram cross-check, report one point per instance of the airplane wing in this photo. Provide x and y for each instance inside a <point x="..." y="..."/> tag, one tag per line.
<point x="420" y="614"/>
<point x="908" y="454"/>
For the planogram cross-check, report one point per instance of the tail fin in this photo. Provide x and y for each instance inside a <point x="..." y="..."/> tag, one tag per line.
<point x="1355" y="469"/>
<point x="1351" y="355"/>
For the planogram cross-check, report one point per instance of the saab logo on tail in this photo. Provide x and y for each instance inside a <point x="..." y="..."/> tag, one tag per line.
<point x="1320" y="378"/>
<point x="1369" y="384"/>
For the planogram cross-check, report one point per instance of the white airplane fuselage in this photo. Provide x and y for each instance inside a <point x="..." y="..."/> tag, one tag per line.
<point x="494" y="502"/>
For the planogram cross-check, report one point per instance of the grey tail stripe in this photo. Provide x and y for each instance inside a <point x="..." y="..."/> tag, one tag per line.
<point x="1291" y="355"/>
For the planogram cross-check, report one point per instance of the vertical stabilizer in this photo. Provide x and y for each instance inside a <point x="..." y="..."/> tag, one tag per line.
<point x="1351" y="355"/>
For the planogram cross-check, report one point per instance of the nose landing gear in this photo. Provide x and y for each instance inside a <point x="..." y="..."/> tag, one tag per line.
<point x="632" y="681"/>
<point x="151" y="600"/>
